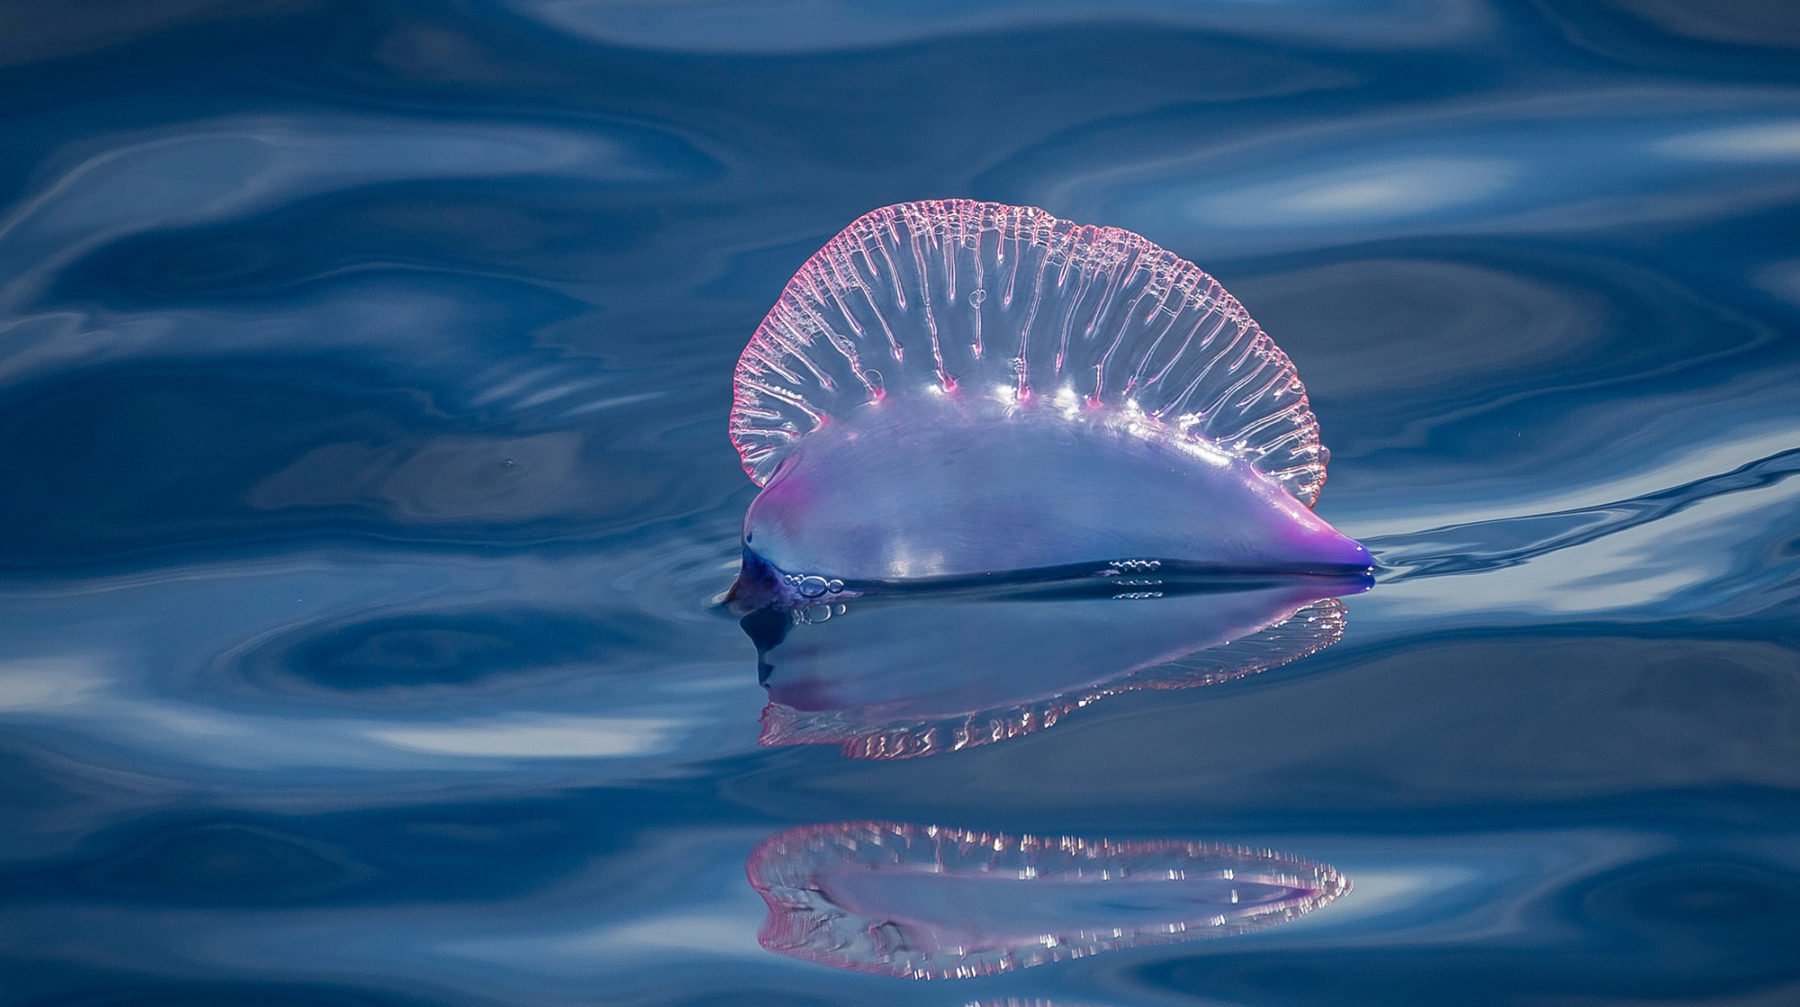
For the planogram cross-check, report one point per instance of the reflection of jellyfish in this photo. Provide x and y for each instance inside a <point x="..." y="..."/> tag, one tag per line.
<point x="958" y="389"/>
<point x="932" y="903"/>
<point x="900" y="677"/>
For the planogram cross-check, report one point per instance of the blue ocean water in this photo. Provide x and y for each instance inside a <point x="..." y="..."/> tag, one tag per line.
<point x="365" y="493"/>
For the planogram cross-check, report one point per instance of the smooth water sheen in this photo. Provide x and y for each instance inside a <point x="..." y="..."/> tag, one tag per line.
<point x="364" y="392"/>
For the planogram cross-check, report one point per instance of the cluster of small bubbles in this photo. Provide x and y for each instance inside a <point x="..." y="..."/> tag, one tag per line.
<point x="1136" y="565"/>
<point x="1137" y="595"/>
<point x="812" y="615"/>
<point x="814" y="586"/>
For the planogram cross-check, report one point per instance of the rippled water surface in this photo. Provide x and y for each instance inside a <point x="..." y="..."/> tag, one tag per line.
<point x="365" y="496"/>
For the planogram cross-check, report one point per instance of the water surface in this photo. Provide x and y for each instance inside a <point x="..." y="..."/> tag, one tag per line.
<point x="365" y="491"/>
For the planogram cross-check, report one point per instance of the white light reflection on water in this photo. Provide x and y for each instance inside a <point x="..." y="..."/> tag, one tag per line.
<point x="538" y="737"/>
<point x="1751" y="143"/>
<point x="1381" y="191"/>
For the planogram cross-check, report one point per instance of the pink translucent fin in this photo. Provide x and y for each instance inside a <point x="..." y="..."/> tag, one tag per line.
<point x="924" y="902"/>
<point x="1009" y="307"/>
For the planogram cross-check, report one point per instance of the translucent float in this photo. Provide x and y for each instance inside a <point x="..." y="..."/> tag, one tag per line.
<point x="957" y="389"/>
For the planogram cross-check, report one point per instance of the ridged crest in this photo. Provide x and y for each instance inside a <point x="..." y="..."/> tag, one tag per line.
<point x="1008" y="307"/>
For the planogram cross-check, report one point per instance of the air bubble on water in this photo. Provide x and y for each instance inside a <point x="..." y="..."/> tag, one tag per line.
<point x="813" y="587"/>
<point x="976" y="296"/>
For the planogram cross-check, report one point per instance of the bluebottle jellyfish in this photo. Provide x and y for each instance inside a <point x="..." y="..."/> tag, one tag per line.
<point x="924" y="902"/>
<point x="886" y="677"/>
<point x="959" y="389"/>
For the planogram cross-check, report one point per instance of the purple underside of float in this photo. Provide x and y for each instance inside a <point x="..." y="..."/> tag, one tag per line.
<point x="972" y="483"/>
